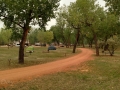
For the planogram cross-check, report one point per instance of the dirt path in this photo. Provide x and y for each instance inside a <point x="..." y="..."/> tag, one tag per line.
<point x="48" y="68"/>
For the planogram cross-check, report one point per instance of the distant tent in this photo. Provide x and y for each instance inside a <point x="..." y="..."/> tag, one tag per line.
<point x="30" y="49"/>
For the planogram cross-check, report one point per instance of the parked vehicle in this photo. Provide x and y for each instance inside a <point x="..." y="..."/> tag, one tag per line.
<point x="37" y="44"/>
<point x="51" y="48"/>
<point x="26" y="44"/>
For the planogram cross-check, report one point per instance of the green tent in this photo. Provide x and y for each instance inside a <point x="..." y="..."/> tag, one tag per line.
<point x="30" y="49"/>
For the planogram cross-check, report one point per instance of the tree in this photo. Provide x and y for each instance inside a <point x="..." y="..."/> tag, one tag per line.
<point x="74" y="18"/>
<point x="32" y="37"/>
<point x="87" y="14"/>
<point x="49" y="37"/>
<point x="63" y="28"/>
<point x="113" y="43"/>
<point x="61" y="24"/>
<point x="68" y="36"/>
<point x="82" y="14"/>
<point x="45" y="37"/>
<point x="56" y="34"/>
<point x="89" y="37"/>
<point x="113" y="6"/>
<point x="5" y="36"/>
<point x="93" y="15"/>
<point x="108" y="26"/>
<point x="20" y="14"/>
<point x="109" y="31"/>
<point x="16" y="35"/>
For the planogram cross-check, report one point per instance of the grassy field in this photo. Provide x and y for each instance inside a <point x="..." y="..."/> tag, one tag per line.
<point x="102" y="73"/>
<point x="39" y="56"/>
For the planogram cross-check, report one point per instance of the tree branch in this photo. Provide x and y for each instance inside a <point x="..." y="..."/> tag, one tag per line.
<point x="78" y="27"/>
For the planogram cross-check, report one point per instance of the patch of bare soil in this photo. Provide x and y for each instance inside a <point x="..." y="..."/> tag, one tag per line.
<point x="26" y="73"/>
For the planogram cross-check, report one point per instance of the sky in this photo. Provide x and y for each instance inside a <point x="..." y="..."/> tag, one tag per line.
<point x="67" y="2"/>
<point x="62" y="2"/>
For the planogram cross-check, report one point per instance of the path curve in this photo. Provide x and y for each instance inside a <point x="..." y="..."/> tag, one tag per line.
<point x="48" y="68"/>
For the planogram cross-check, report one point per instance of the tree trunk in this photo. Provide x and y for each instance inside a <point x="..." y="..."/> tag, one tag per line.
<point x="83" y="44"/>
<point x="82" y="39"/>
<point x="91" y="43"/>
<point x="22" y="45"/>
<point x="111" y="51"/>
<point x="76" y="41"/>
<point x="74" y="48"/>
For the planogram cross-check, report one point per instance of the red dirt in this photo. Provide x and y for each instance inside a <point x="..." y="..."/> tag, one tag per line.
<point x="27" y="73"/>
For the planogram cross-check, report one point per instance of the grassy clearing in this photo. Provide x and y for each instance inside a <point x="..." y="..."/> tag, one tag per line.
<point x="103" y="73"/>
<point x="99" y="74"/>
<point x="38" y="57"/>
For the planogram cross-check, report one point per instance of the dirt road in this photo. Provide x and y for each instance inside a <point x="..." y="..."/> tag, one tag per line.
<point x="48" y="68"/>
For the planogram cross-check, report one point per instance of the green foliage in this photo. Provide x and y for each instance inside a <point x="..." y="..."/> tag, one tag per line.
<point x="62" y="33"/>
<point x="108" y="26"/>
<point x="5" y="36"/>
<point x="45" y="37"/>
<point x="113" y="43"/>
<point x="68" y="36"/>
<point x="32" y="37"/>
<point x="16" y="35"/>
<point x="113" y="6"/>
<point x="62" y="26"/>
<point x="56" y="34"/>
<point x="23" y="13"/>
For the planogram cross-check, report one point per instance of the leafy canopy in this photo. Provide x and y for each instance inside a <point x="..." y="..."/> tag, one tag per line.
<point x="113" y="6"/>
<point x="23" y="13"/>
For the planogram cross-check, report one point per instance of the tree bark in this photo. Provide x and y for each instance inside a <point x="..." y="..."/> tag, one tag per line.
<point x="76" y="41"/>
<point x="22" y="45"/>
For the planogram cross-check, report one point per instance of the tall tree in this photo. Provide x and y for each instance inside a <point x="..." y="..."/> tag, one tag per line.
<point x="93" y="20"/>
<point x="23" y="13"/>
<point x="83" y="14"/>
<point x="74" y="18"/>
<point x="80" y="14"/>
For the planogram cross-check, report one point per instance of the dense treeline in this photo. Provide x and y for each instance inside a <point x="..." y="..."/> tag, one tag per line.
<point x="83" y="22"/>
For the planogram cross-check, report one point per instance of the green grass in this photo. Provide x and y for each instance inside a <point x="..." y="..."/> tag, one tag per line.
<point x="102" y="73"/>
<point x="38" y="57"/>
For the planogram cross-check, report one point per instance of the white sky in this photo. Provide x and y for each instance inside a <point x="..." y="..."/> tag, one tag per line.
<point x="66" y="2"/>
